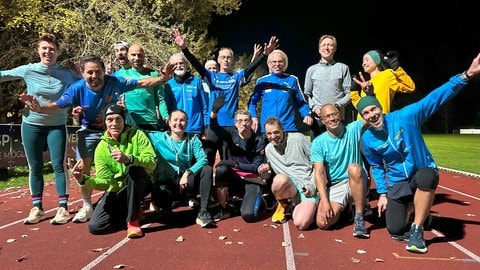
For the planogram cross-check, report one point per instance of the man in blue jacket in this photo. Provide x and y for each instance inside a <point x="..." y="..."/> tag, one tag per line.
<point x="402" y="166"/>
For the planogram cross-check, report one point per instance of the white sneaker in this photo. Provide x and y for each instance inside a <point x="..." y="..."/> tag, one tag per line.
<point x="36" y="215"/>
<point x="62" y="217"/>
<point x="84" y="214"/>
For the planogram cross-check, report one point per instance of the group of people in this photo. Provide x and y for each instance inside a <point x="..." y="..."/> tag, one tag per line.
<point x="158" y="133"/>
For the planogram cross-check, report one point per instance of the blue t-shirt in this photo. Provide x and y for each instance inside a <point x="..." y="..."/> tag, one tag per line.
<point x="93" y="102"/>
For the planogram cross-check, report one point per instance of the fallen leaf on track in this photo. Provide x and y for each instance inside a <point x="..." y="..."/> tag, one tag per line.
<point x="119" y="266"/>
<point x="355" y="260"/>
<point x="301" y="235"/>
<point x="379" y="260"/>
<point x="180" y="239"/>
<point x="222" y="237"/>
<point x="11" y="240"/>
<point x="21" y="259"/>
<point x="361" y="251"/>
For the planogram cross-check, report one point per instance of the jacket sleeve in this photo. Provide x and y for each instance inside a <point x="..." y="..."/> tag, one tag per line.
<point x="401" y="82"/>
<point x="199" y="153"/>
<point x="145" y="155"/>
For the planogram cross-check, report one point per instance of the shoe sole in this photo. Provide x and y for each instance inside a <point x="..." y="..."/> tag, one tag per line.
<point x="205" y="225"/>
<point x="416" y="250"/>
<point x="26" y="222"/>
<point x="54" y="222"/>
<point x="361" y="236"/>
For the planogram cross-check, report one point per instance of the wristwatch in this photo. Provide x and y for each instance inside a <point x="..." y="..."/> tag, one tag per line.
<point x="188" y="172"/>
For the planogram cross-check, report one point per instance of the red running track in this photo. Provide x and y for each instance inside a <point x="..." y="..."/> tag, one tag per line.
<point x="234" y="244"/>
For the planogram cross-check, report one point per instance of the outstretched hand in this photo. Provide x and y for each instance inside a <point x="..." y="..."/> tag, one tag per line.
<point x="474" y="68"/>
<point x="177" y="38"/>
<point x="218" y="103"/>
<point x="272" y="45"/>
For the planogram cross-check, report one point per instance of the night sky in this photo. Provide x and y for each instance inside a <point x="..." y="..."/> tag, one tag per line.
<point x="434" y="41"/>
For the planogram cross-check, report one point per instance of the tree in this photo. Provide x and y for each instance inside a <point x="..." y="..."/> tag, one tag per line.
<point x="91" y="27"/>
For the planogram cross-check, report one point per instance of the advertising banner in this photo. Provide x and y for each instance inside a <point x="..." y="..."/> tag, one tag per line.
<point x="11" y="147"/>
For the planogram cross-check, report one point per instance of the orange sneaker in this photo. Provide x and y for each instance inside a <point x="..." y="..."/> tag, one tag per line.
<point x="134" y="230"/>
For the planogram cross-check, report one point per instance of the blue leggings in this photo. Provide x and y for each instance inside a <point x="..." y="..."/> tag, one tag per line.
<point x="34" y="139"/>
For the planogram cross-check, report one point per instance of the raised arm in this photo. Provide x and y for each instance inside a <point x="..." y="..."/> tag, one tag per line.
<point x="180" y="41"/>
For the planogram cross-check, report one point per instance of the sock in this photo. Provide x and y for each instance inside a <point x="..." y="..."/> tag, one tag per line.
<point x="62" y="201"/>
<point x="87" y="202"/>
<point x="37" y="201"/>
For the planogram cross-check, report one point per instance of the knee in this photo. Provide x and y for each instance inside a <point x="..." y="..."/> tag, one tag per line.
<point x="355" y="170"/>
<point x="427" y="179"/>
<point x="249" y="217"/>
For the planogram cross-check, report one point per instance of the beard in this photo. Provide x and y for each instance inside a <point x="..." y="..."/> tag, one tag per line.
<point x="180" y="72"/>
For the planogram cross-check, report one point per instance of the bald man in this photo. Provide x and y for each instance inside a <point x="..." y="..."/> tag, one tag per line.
<point x="146" y="107"/>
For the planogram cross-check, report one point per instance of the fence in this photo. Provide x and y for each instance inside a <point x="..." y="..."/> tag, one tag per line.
<point x="11" y="147"/>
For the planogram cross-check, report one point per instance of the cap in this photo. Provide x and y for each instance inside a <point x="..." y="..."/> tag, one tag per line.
<point x="121" y="43"/>
<point x="367" y="101"/>
<point x="114" y="109"/>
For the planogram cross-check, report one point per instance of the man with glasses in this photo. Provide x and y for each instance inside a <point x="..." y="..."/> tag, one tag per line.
<point x="237" y="174"/>
<point x="339" y="172"/>
<point x="280" y="94"/>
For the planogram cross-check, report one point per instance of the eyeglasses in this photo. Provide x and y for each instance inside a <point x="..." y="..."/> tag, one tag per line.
<point x="276" y="62"/>
<point x="241" y="121"/>
<point x="330" y="115"/>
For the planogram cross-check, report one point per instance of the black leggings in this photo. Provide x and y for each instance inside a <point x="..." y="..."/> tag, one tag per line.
<point x="401" y="194"/>
<point x="115" y="209"/>
<point x="167" y="190"/>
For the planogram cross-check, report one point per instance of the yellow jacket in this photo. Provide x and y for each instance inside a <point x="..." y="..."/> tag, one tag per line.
<point x="385" y="84"/>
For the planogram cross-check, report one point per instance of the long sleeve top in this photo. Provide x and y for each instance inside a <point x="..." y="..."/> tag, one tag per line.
<point x="385" y="84"/>
<point x="327" y="83"/>
<point x="188" y="95"/>
<point x="248" y="153"/>
<point x="47" y="84"/>
<point x="110" y="174"/>
<point x="399" y="145"/>
<point x="226" y="84"/>
<point x="281" y="97"/>
<point x="175" y="157"/>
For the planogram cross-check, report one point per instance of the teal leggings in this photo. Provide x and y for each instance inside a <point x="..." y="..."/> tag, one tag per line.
<point x="34" y="139"/>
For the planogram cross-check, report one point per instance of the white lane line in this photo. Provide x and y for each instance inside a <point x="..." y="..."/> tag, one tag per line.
<point x="110" y="251"/>
<point x="461" y="193"/>
<point x="107" y="253"/>
<point x="289" y="256"/>
<point x="459" y="247"/>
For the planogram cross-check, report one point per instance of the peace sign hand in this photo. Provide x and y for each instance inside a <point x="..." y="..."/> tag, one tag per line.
<point x="366" y="86"/>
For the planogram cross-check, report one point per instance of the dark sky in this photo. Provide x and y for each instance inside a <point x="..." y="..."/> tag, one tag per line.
<point x="434" y="40"/>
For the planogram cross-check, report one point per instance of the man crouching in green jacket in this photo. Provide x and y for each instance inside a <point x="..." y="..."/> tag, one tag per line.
<point x="124" y="163"/>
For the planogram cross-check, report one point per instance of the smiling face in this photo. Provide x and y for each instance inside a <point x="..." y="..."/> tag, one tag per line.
<point x="115" y="125"/>
<point x="48" y="53"/>
<point x="178" y="122"/>
<point x="327" y="48"/>
<point x="374" y="116"/>
<point x="93" y="73"/>
<point x="274" y="133"/>
<point x="277" y="62"/>
<point x="368" y="64"/>
<point x="331" y="118"/>
<point x="136" y="56"/>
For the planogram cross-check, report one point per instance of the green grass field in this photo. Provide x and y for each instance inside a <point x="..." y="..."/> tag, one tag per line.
<point x="453" y="151"/>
